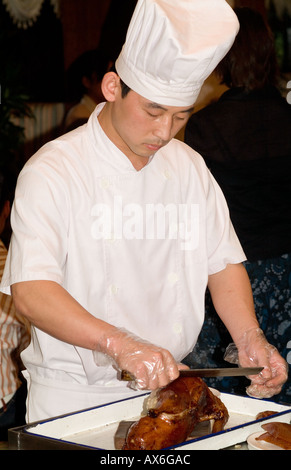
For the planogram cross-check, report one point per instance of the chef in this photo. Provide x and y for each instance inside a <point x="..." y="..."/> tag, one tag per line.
<point x="118" y="228"/>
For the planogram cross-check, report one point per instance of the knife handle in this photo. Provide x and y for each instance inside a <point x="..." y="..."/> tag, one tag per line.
<point x="126" y="376"/>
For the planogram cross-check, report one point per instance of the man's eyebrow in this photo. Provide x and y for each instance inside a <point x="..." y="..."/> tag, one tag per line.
<point x="158" y="106"/>
<point x="189" y="110"/>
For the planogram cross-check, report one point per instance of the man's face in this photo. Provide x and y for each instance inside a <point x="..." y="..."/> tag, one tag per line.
<point x="141" y="127"/>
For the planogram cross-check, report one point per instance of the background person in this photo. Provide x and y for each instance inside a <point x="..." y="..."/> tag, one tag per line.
<point x="84" y="85"/>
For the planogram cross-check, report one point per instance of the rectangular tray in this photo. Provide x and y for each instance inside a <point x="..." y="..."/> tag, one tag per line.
<point x="95" y="428"/>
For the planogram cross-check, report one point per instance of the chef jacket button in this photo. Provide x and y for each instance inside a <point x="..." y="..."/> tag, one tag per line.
<point x="166" y="174"/>
<point x="111" y="238"/>
<point x="177" y="328"/>
<point x="104" y="183"/>
<point x="113" y="289"/>
<point x="173" y="278"/>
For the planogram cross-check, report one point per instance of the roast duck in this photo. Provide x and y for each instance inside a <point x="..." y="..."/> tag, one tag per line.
<point x="172" y="412"/>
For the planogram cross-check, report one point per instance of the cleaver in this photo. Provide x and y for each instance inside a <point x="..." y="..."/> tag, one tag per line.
<point x="216" y="372"/>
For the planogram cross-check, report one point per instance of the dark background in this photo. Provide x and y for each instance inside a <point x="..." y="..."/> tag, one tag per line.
<point x="44" y="51"/>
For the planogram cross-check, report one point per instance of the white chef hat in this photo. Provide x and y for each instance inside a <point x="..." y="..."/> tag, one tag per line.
<point x="172" y="46"/>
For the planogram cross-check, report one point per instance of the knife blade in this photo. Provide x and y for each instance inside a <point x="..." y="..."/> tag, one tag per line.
<point x="216" y="372"/>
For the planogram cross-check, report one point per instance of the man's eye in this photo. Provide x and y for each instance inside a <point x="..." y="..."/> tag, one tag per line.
<point x="152" y="115"/>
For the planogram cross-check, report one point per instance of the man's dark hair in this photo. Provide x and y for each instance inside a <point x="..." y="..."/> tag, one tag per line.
<point x="124" y="89"/>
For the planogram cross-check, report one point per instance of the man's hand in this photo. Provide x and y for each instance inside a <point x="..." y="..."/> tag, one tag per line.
<point x="152" y="366"/>
<point x="254" y="350"/>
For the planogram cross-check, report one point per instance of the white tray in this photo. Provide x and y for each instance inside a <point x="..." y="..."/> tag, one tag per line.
<point x="96" y="427"/>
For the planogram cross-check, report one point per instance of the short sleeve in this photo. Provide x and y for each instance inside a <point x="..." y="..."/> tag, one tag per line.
<point x="39" y="221"/>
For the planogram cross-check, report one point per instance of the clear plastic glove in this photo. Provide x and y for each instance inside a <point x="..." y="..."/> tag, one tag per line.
<point x="252" y="350"/>
<point x="152" y="366"/>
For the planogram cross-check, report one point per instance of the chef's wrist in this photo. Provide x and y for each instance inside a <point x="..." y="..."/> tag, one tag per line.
<point x="254" y="333"/>
<point x="107" y="340"/>
<point x="240" y="335"/>
<point x="115" y="342"/>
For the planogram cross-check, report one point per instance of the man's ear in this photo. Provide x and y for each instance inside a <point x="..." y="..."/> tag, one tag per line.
<point x="110" y="86"/>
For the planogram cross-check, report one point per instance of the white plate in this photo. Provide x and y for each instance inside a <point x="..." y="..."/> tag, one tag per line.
<point x="253" y="444"/>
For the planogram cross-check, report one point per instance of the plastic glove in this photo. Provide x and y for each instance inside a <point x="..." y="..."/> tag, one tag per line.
<point x="252" y="350"/>
<point x="152" y="366"/>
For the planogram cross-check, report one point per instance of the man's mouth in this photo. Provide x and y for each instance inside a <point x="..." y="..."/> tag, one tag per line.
<point x="154" y="147"/>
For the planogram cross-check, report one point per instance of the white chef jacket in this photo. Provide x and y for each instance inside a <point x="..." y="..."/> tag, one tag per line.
<point x="117" y="240"/>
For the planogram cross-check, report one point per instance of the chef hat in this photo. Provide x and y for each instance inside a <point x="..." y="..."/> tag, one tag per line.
<point x="172" y="46"/>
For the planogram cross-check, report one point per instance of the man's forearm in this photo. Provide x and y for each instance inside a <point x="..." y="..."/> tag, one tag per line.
<point x="52" y="309"/>
<point x="233" y="299"/>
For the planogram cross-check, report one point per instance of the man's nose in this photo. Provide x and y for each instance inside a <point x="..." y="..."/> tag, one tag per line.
<point x="163" y="129"/>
